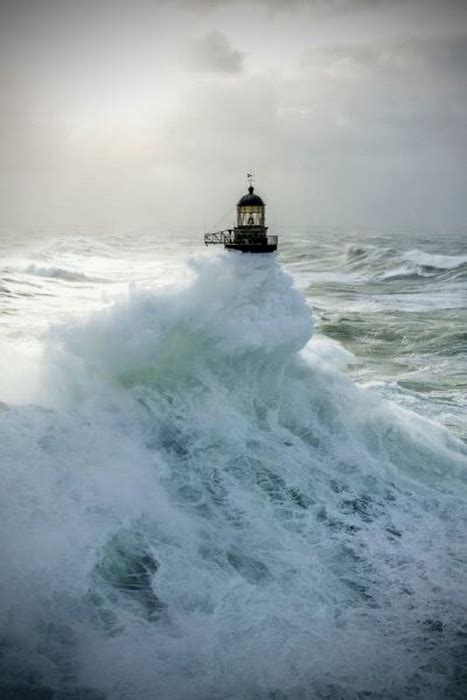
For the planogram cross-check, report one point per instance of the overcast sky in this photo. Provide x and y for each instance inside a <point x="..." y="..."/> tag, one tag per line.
<point x="117" y="114"/>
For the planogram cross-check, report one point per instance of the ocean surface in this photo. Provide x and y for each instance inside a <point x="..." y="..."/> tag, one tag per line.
<point x="228" y="476"/>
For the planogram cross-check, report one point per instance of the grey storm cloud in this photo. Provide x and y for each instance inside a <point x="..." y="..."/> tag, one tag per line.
<point x="326" y="6"/>
<point x="213" y="54"/>
<point x="444" y="54"/>
<point x="349" y="110"/>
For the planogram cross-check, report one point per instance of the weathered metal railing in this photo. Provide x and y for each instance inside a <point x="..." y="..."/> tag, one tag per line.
<point x="230" y="236"/>
<point x="226" y="236"/>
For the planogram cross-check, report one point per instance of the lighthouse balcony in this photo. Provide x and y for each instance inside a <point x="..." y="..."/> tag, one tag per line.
<point x="247" y="241"/>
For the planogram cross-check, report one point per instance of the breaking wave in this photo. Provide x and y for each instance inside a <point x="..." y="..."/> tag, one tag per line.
<point x="60" y="273"/>
<point x="386" y="263"/>
<point x="209" y="509"/>
<point x="435" y="262"/>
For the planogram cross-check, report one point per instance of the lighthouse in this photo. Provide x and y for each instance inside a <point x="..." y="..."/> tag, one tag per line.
<point x="250" y="235"/>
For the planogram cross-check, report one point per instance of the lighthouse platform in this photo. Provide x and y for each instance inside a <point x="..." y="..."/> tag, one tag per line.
<point x="246" y="242"/>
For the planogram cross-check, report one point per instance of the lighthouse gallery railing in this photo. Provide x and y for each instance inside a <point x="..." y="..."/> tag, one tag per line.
<point x="229" y="236"/>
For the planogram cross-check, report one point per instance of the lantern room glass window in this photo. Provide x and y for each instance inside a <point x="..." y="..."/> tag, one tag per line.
<point x="249" y="215"/>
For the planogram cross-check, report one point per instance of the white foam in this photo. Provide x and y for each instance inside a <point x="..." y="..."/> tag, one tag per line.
<point x="302" y="526"/>
<point x="233" y="309"/>
<point x="58" y="273"/>
<point x="329" y="352"/>
<point x="442" y="262"/>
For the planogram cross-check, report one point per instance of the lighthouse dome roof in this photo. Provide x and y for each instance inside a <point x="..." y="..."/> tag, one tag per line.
<point x="251" y="199"/>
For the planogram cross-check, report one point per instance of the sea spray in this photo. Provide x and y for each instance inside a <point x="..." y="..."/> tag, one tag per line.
<point x="206" y="509"/>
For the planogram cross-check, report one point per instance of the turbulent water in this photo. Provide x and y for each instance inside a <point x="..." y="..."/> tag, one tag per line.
<point x="233" y="476"/>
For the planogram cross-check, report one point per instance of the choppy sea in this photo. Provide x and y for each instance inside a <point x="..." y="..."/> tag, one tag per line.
<point x="229" y="476"/>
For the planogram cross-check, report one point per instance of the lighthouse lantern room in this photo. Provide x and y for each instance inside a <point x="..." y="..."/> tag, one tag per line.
<point x="250" y="210"/>
<point x="250" y="234"/>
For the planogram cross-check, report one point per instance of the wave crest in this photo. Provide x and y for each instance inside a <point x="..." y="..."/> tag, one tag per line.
<point x="431" y="261"/>
<point x="233" y="308"/>
<point x="60" y="273"/>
